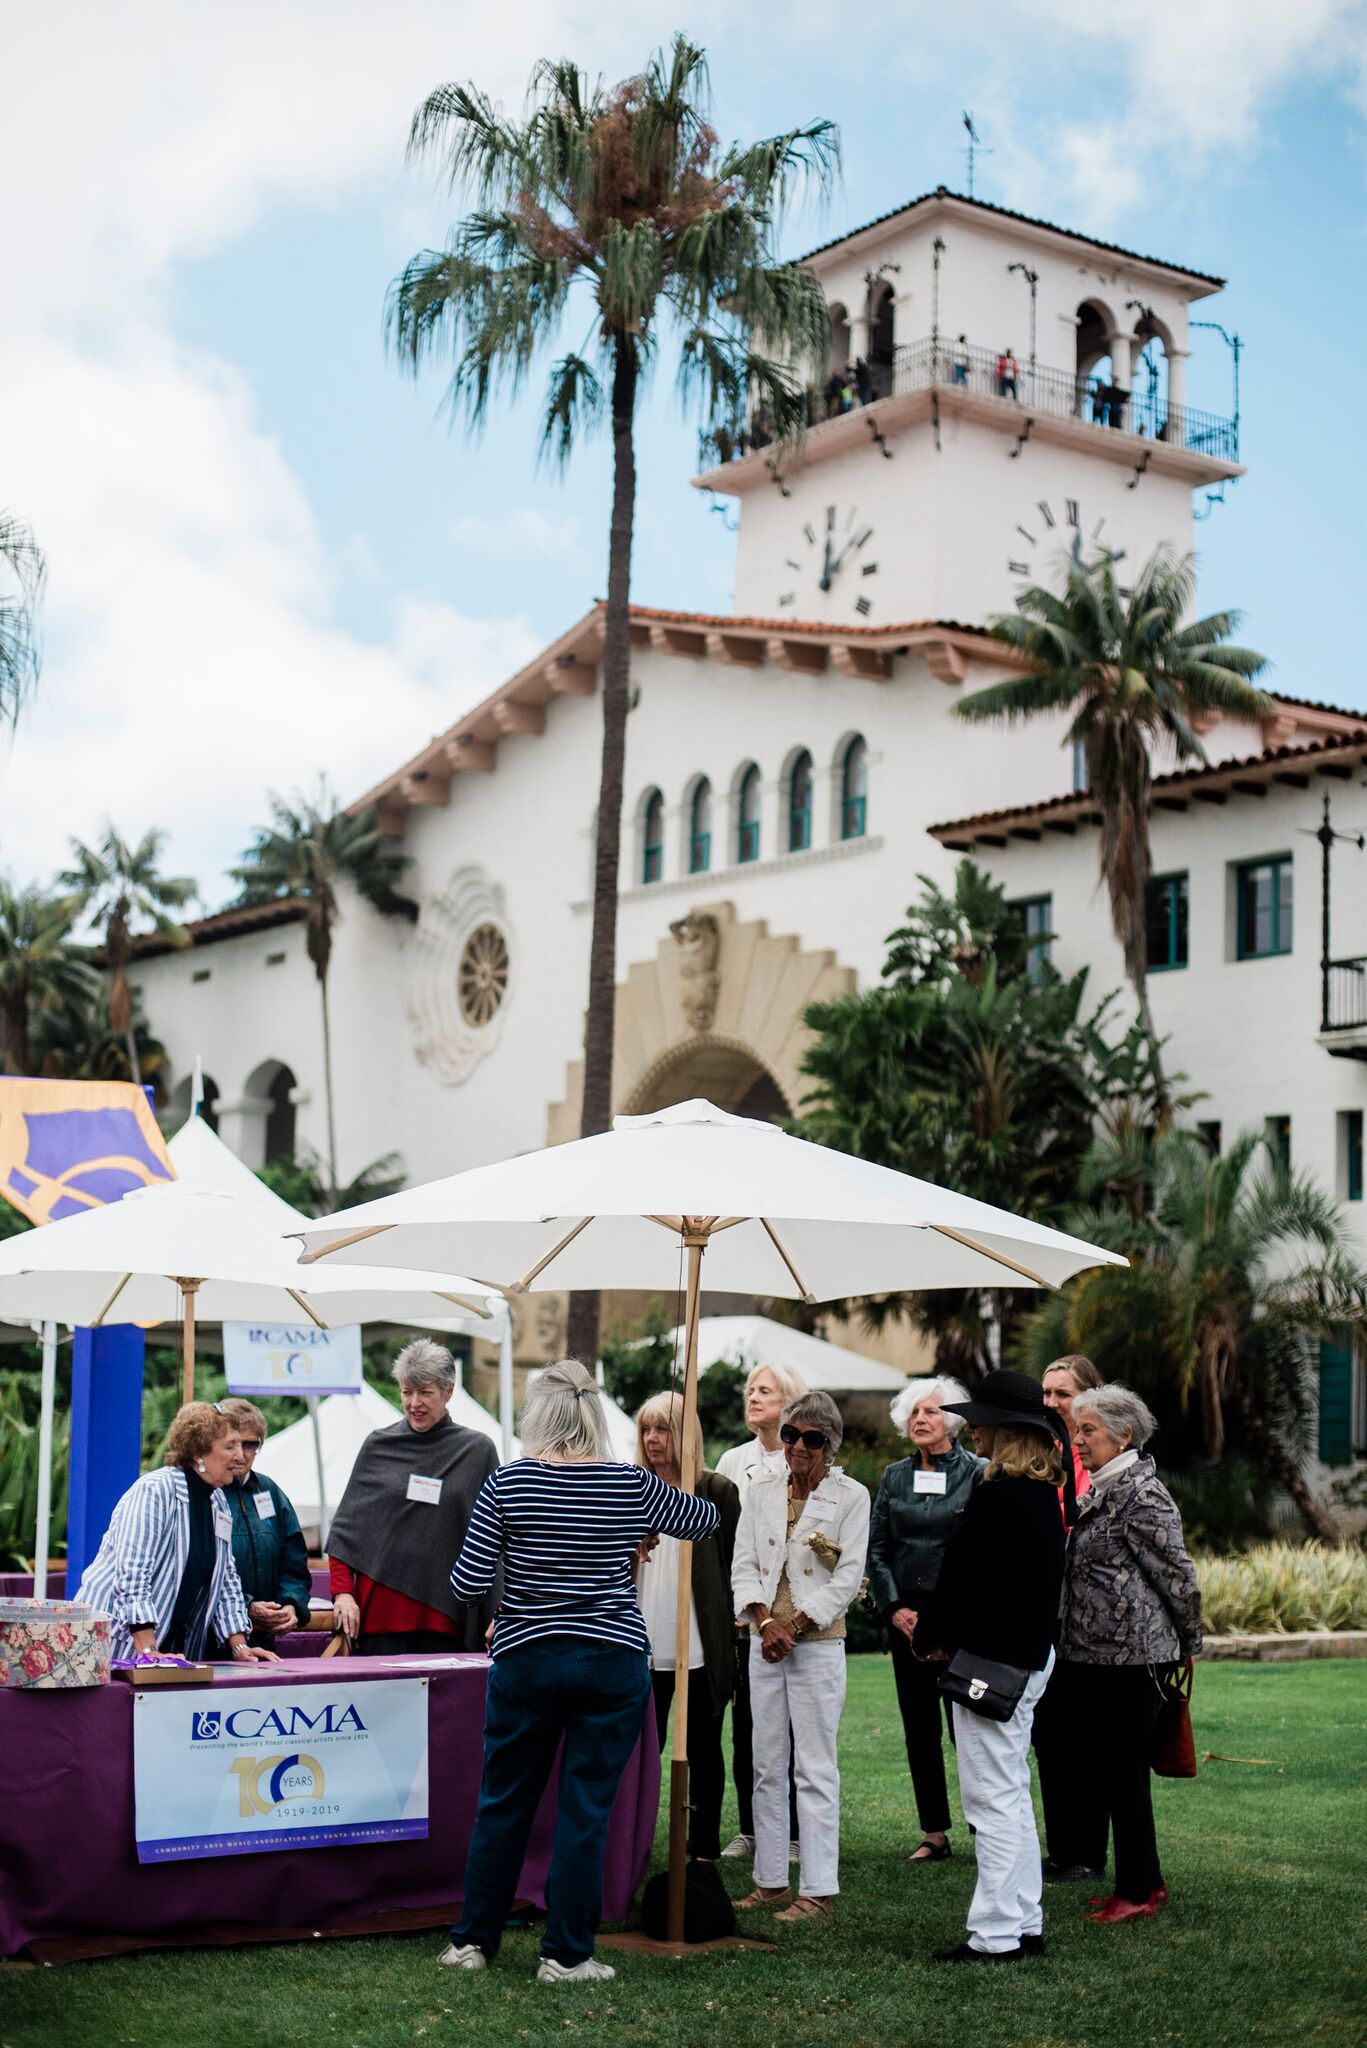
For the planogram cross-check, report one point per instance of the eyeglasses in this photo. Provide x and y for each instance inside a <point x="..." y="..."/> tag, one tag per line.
<point x="251" y="1443"/>
<point x="811" y="1439"/>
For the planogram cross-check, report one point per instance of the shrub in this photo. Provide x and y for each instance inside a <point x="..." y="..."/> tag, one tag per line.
<point x="1278" y="1588"/>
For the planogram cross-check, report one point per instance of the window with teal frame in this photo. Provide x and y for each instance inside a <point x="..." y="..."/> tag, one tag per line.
<point x="854" y="790"/>
<point x="700" y="829"/>
<point x="747" y="816"/>
<point x="653" y="838"/>
<point x="1263" y="908"/>
<point x="1036" y="914"/>
<point x="1166" y="923"/>
<point x="800" y="803"/>
<point x="1351" y="1123"/>
<point x="1336" y="1398"/>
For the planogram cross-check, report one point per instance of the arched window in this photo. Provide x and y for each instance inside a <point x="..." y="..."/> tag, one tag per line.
<point x="882" y="340"/>
<point x="800" y="803"/>
<point x="280" y="1117"/>
<point x="854" y="790"/>
<point x="747" y="815"/>
<point x="700" y="828"/>
<point x="652" y="837"/>
<point x="838" y="349"/>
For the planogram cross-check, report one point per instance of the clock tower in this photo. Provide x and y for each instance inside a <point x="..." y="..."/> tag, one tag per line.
<point x="1018" y="394"/>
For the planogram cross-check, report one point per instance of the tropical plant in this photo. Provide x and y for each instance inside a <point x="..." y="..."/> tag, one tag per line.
<point x="24" y="572"/>
<point x="310" y="853"/>
<point x="19" y="1470"/>
<point x="303" y="1182"/>
<point x="120" y="887"/>
<point x="41" y="969"/>
<point x="628" y="194"/>
<point x="1238" y="1269"/>
<point x="1278" y="1588"/>
<point x="966" y="1070"/>
<point x="82" y="1045"/>
<point x="1131" y="679"/>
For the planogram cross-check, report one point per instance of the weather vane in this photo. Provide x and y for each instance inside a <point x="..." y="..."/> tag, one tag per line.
<point x="975" y="145"/>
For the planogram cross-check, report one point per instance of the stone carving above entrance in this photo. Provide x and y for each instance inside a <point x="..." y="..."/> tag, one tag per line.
<point x="459" y="975"/>
<point x="698" y="938"/>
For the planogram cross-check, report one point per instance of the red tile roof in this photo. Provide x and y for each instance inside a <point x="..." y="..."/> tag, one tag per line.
<point x="723" y="622"/>
<point x="224" y="924"/>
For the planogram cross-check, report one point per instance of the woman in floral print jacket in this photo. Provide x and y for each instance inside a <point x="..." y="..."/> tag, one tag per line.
<point x="1131" y="1608"/>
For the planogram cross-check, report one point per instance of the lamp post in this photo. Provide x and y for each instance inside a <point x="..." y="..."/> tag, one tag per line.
<point x="937" y="249"/>
<point x="1235" y="346"/>
<point x="1032" y="279"/>
<point x="1326" y="836"/>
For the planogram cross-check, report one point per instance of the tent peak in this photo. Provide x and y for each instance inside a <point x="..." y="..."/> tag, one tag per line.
<point x="698" y="1111"/>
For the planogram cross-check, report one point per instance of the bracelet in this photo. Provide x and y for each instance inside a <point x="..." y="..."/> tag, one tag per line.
<point x="769" y="1621"/>
<point x="240" y="1650"/>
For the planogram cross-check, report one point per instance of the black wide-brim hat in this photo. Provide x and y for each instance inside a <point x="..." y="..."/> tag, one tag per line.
<point x="1012" y="1400"/>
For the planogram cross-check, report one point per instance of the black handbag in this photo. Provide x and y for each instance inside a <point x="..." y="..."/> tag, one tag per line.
<point x="992" y="1690"/>
<point x="708" y="1912"/>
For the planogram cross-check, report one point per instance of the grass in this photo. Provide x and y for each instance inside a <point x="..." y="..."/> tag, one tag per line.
<point x="1263" y="1944"/>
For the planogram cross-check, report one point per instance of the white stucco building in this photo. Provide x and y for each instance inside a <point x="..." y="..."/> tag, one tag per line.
<point x="786" y="763"/>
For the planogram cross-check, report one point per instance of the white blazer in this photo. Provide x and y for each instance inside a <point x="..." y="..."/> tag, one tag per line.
<point x="838" y="1508"/>
<point x="743" y="1465"/>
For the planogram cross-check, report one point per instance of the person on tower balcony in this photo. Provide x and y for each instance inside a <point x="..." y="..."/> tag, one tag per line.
<point x="959" y="373"/>
<point x="1008" y="375"/>
<point x="404" y="1516"/>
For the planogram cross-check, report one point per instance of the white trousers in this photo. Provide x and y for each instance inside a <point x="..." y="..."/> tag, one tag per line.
<point x="994" y="1784"/>
<point x="807" y="1693"/>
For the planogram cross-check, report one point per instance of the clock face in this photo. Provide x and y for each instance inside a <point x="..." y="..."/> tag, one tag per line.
<point x="830" y="552"/>
<point x="1036" y="538"/>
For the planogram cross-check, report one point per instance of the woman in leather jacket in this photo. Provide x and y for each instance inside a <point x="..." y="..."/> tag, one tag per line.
<point x="920" y="1500"/>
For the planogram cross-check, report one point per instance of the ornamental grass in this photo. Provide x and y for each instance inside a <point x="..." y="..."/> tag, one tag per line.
<point x="1279" y="1588"/>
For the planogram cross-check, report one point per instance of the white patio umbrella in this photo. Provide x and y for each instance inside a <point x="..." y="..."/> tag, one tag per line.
<point x="760" y="1340"/>
<point x="773" y="1214"/>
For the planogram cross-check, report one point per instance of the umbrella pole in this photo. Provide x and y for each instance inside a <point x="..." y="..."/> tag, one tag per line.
<point x="696" y="1241"/>
<point x="505" y="1385"/>
<point x="188" y="1291"/>
<point x="322" y="1483"/>
<point x="43" y="1532"/>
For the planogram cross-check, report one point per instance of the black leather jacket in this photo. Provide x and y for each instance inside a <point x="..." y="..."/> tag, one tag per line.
<point x="909" y="1530"/>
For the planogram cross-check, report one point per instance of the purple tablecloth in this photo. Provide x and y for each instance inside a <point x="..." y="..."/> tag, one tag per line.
<point x="68" y="1865"/>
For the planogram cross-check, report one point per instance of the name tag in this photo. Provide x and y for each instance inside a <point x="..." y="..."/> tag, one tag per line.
<point x="820" y="1510"/>
<point x="424" y="1489"/>
<point x="265" y="1506"/>
<point x="928" y="1482"/>
<point x="223" y="1528"/>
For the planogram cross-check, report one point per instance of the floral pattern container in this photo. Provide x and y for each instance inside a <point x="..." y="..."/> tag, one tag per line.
<point x="52" y="1645"/>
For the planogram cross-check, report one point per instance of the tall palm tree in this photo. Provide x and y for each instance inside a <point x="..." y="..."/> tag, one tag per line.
<point x="1238" y="1269"/>
<point x="309" y="852"/>
<point x="119" y="885"/>
<point x="24" y="570"/>
<point x="628" y="193"/>
<point x="1130" y="676"/>
<point x="41" y="969"/>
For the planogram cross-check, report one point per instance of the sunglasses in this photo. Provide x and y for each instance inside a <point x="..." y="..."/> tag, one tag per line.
<point x="811" y="1439"/>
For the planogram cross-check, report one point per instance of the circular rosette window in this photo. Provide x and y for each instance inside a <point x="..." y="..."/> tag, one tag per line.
<point x="460" y="975"/>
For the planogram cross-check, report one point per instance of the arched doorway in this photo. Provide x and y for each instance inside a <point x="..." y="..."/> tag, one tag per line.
<point x="720" y="1071"/>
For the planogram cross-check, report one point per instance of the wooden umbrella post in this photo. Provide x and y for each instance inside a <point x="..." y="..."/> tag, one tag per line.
<point x="696" y="1233"/>
<point x="188" y="1290"/>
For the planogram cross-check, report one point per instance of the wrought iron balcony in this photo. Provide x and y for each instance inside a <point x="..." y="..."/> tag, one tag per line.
<point x="1344" y="995"/>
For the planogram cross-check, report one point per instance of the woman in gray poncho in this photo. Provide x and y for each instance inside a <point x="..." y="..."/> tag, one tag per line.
<point x="403" y="1517"/>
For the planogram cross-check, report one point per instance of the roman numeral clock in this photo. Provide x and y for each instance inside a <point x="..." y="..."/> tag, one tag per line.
<point x="1037" y="537"/>
<point x="831" y="551"/>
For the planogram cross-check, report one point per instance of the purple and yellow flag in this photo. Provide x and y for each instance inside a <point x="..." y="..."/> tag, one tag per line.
<point x="72" y="1145"/>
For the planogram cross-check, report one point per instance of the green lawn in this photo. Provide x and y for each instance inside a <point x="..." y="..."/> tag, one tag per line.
<point x="1264" y="1941"/>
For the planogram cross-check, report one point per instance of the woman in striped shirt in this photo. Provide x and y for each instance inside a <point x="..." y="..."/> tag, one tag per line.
<point x="571" y="1662"/>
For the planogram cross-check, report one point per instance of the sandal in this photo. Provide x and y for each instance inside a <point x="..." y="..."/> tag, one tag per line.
<point x="758" y="1897"/>
<point x="936" y="1852"/>
<point x="805" y="1907"/>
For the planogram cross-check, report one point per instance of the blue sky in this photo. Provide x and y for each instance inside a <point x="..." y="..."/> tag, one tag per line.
<point x="269" y="555"/>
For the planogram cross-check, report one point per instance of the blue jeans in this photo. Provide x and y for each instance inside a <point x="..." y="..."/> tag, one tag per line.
<point x="592" y="1698"/>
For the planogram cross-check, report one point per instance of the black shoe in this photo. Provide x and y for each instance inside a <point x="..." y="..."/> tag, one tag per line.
<point x="938" y="1852"/>
<point x="1067" y="1873"/>
<point x="1032" y="1944"/>
<point x="966" y="1954"/>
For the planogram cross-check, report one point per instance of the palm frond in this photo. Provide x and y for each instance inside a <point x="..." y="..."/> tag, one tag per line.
<point x="574" y="401"/>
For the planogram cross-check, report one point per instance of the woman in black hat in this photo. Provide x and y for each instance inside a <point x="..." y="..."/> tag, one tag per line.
<point x="996" y="1605"/>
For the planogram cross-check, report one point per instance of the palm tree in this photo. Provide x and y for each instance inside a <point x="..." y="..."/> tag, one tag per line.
<point x="41" y="971"/>
<point x="309" y="852"/>
<point x="629" y="193"/>
<point x="1238" y="1269"/>
<point x="1130" y="676"/>
<point x="25" y="571"/>
<point x="119" y="884"/>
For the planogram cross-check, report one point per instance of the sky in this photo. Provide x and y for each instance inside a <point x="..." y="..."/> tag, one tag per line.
<point x="271" y="559"/>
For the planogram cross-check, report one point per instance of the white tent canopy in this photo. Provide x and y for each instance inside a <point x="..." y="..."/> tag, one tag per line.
<point x="344" y="1422"/>
<point x="823" y="1367"/>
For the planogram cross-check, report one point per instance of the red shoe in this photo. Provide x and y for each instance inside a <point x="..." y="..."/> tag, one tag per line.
<point x="1160" y="1897"/>
<point x="1102" y="1899"/>
<point x="1125" y="1909"/>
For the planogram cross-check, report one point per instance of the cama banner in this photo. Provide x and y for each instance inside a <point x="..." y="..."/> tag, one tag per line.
<point x="289" y="1358"/>
<point x="255" y="1767"/>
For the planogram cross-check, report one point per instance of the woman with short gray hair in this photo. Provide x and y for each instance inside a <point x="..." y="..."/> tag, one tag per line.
<point x="403" y="1518"/>
<point x="571" y="1662"/>
<point x="1131" y="1610"/>
<point x="920" y="1503"/>
<point x="799" y="1561"/>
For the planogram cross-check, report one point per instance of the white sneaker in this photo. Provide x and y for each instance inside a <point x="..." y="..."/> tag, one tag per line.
<point x="794" y="1852"/>
<point x="740" y="1845"/>
<point x="467" y="1958"/>
<point x="590" y="1971"/>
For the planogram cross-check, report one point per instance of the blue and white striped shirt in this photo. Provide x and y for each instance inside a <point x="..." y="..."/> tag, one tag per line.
<point x="566" y="1536"/>
<point x="136" y="1573"/>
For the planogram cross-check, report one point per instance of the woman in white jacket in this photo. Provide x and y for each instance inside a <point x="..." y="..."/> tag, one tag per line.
<point x="799" y="1560"/>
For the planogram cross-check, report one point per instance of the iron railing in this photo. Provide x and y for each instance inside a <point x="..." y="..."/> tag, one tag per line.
<point x="1036" y="388"/>
<point x="1344" y="997"/>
